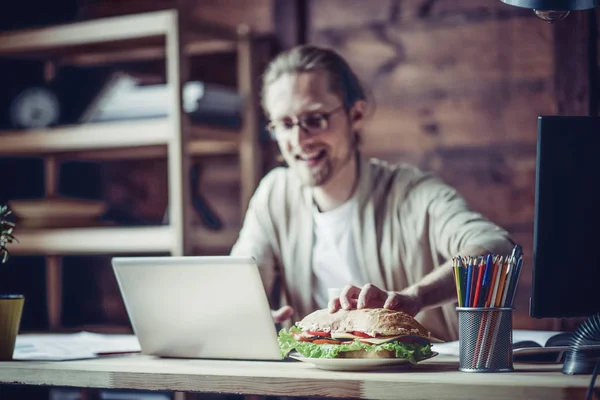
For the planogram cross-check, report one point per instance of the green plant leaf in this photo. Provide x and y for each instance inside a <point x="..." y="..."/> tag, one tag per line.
<point x="6" y="233"/>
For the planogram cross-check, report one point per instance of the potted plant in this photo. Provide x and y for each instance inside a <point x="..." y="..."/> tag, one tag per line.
<point x="11" y="305"/>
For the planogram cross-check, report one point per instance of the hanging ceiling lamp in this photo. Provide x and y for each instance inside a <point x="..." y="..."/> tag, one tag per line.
<point x="553" y="10"/>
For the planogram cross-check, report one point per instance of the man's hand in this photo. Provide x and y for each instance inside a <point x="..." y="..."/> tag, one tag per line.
<point x="370" y="296"/>
<point x="283" y="314"/>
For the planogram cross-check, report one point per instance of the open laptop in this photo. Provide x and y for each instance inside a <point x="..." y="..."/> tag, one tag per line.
<point x="198" y="307"/>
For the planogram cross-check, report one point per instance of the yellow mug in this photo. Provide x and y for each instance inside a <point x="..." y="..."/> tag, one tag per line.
<point x="11" y="309"/>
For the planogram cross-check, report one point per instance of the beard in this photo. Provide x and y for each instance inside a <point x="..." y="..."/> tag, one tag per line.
<point x="317" y="176"/>
<point x="325" y="170"/>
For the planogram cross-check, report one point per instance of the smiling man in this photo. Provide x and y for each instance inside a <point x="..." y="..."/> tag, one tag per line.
<point x="333" y="218"/>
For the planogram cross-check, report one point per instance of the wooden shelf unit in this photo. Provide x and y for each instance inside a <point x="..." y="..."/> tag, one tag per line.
<point x="128" y="38"/>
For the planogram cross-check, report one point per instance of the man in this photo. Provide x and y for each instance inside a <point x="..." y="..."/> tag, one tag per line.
<point x="334" y="219"/>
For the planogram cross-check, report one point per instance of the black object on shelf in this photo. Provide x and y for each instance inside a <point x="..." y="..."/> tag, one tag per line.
<point x="207" y="215"/>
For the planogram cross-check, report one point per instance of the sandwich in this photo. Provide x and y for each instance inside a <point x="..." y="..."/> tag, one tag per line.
<point x="364" y="333"/>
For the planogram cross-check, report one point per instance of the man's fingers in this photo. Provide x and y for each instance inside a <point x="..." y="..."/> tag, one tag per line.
<point x="348" y="297"/>
<point x="392" y="302"/>
<point x="283" y="314"/>
<point x="401" y="302"/>
<point x="334" y="304"/>
<point x="365" y="295"/>
<point x="370" y="296"/>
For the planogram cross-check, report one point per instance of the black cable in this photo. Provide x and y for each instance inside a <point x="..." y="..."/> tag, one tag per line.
<point x="590" y="390"/>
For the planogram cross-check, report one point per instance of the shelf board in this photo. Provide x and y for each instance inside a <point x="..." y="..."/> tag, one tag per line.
<point x="98" y="240"/>
<point x="116" y="240"/>
<point x="116" y="140"/>
<point x="126" y="27"/>
<point x="204" y="141"/>
<point x="145" y="53"/>
<point x="195" y="148"/>
<point x="85" y="136"/>
<point x="118" y="39"/>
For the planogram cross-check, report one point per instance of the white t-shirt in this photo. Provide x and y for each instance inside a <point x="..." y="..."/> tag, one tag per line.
<point x="334" y="259"/>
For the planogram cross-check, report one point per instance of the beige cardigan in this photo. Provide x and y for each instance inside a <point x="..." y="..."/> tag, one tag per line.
<point x="407" y="224"/>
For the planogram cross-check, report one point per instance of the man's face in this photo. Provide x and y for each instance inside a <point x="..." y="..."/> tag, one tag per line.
<point x="320" y="149"/>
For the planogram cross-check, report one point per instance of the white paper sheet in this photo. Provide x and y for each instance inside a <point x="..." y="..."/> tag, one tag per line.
<point x="446" y="349"/>
<point x="519" y="335"/>
<point x="72" y="346"/>
<point x="540" y="337"/>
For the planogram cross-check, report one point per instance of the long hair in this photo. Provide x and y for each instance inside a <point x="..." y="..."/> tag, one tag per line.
<point x="308" y="58"/>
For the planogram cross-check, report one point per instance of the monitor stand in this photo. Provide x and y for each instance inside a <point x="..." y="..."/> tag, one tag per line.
<point x="584" y="348"/>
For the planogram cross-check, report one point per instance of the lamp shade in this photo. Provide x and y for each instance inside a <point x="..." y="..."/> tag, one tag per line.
<point x="558" y="5"/>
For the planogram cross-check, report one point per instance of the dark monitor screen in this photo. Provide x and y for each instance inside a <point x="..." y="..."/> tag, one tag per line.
<point x="566" y="266"/>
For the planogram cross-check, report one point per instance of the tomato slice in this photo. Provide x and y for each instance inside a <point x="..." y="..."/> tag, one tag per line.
<point x="361" y="334"/>
<point x="326" y="341"/>
<point x="300" y="337"/>
<point x="319" y="333"/>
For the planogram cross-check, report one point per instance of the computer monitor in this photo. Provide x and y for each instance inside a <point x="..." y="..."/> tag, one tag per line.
<point x="566" y="267"/>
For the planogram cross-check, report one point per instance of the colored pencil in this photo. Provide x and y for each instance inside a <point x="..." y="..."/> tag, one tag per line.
<point x="457" y="281"/>
<point x="488" y="282"/>
<point x="468" y="284"/>
<point x="478" y="285"/>
<point x="501" y="283"/>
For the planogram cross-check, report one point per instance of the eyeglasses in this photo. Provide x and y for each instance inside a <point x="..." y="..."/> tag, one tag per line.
<point x="312" y="123"/>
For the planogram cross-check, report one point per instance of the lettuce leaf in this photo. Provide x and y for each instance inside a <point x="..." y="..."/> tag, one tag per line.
<point x="412" y="352"/>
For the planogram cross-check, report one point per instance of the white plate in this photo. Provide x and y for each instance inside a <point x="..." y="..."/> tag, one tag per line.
<point x="354" y="364"/>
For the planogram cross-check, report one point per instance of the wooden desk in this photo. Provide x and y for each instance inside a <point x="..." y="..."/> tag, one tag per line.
<point x="435" y="379"/>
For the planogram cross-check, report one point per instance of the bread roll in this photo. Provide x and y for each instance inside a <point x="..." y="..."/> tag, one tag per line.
<point x="372" y="321"/>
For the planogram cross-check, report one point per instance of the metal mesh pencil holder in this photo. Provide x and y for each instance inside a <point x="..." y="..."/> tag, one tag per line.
<point x="485" y="339"/>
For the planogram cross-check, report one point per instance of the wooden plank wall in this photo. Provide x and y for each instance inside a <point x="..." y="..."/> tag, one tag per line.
<point x="458" y="87"/>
